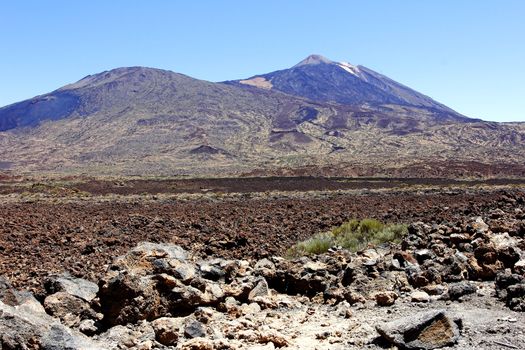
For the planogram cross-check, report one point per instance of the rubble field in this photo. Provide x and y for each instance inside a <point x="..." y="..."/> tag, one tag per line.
<point x="209" y="270"/>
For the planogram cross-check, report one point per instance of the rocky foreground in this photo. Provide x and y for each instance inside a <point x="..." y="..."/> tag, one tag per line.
<point x="450" y="285"/>
<point x="83" y="236"/>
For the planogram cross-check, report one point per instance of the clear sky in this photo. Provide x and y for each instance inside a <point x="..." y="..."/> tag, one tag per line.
<point x="469" y="55"/>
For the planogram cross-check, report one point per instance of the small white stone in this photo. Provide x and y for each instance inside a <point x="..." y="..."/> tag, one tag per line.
<point x="420" y="297"/>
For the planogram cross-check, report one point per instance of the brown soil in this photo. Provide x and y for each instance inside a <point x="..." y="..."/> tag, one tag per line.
<point x="82" y="236"/>
<point x="129" y="186"/>
<point x="425" y="170"/>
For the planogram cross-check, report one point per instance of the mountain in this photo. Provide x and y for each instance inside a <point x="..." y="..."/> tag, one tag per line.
<point x="140" y="119"/>
<point x="320" y="79"/>
<point x="122" y="91"/>
<point x="149" y="121"/>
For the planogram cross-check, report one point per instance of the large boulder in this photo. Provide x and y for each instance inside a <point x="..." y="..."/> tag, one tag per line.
<point x="426" y="330"/>
<point x="25" y="324"/>
<point x="161" y="280"/>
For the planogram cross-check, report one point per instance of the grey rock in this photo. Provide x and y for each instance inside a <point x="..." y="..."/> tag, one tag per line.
<point x="510" y="287"/>
<point x="78" y="287"/>
<point x="88" y="327"/>
<point x="183" y="271"/>
<point x="194" y="329"/>
<point x="371" y="257"/>
<point x="426" y="330"/>
<point x="179" y="269"/>
<point x="211" y="272"/>
<point x="461" y="257"/>
<point x="458" y="238"/>
<point x="315" y="267"/>
<point x="144" y="284"/>
<point x="437" y="289"/>
<point x="479" y="225"/>
<point x="264" y="264"/>
<point x="457" y="290"/>
<point x="26" y="325"/>
<point x="133" y="289"/>
<point x="516" y="297"/>
<point x="230" y="305"/>
<point x="396" y="264"/>
<point x="127" y="298"/>
<point x="128" y="336"/>
<point x="171" y="251"/>
<point x="252" y="308"/>
<point x="260" y="290"/>
<point x="416" y="276"/>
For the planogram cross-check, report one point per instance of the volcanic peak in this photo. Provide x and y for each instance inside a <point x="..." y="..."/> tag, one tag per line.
<point x="313" y="59"/>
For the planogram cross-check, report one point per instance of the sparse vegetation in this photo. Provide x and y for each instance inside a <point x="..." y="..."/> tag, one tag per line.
<point x="353" y="235"/>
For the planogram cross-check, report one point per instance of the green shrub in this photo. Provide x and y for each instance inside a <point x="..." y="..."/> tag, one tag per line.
<point x="318" y="244"/>
<point x="349" y="226"/>
<point x="353" y="235"/>
<point x="369" y="226"/>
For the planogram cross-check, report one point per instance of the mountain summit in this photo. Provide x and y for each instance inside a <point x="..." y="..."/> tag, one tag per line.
<point x="321" y="79"/>
<point x="313" y="59"/>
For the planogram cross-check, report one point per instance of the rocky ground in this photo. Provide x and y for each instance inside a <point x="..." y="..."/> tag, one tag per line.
<point x="457" y="279"/>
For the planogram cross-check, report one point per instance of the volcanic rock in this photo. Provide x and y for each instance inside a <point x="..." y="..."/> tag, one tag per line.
<point x="510" y="287"/>
<point x="68" y="308"/>
<point x="88" y="327"/>
<point x="139" y="335"/>
<point x="133" y="289"/>
<point x="167" y="330"/>
<point x="420" y="297"/>
<point x="13" y="297"/>
<point x="197" y="344"/>
<point x="457" y="290"/>
<point x="78" y="287"/>
<point x="194" y="329"/>
<point x="386" y="298"/>
<point x="26" y="323"/>
<point x="260" y="290"/>
<point x="427" y="330"/>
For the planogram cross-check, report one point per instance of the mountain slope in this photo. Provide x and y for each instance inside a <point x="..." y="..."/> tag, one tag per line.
<point x="154" y="122"/>
<point x="320" y="79"/>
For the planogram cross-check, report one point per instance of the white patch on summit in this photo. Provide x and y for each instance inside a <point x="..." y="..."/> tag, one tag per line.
<point x="349" y="68"/>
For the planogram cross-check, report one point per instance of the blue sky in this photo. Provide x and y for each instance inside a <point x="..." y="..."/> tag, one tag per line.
<point x="469" y="55"/>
